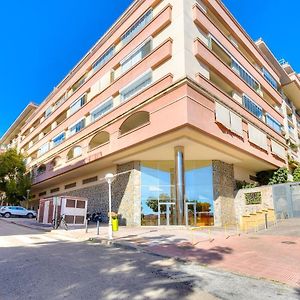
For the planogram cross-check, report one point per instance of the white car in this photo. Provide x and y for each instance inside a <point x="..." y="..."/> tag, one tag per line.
<point x="8" y="211"/>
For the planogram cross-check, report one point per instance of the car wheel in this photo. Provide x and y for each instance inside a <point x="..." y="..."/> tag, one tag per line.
<point x="30" y="215"/>
<point x="7" y="215"/>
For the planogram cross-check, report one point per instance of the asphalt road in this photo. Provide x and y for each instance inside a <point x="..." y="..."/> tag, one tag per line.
<point x="38" y="265"/>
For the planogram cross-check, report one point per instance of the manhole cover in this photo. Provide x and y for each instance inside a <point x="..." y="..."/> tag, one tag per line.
<point x="289" y="242"/>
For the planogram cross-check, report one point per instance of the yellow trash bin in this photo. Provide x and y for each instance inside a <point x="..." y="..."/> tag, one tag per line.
<point x="115" y="224"/>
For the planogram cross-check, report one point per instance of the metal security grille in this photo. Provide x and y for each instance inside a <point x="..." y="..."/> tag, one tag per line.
<point x="287" y="200"/>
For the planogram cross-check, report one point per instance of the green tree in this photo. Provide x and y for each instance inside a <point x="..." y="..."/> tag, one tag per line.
<point x="14" y="181"/>
<point x="296" y="174"/>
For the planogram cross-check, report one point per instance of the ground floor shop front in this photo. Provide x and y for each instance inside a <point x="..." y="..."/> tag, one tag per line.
<point x="165" y="192"/>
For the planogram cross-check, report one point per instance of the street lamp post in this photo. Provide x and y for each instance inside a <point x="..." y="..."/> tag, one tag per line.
<point x="109" y="179"/>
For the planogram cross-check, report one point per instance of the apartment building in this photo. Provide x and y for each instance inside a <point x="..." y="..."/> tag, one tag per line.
<point x="175" y="98"/>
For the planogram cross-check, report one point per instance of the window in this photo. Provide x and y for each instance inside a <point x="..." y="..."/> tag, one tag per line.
<point x="102" y="109"/>
<point x="44" y="149"/>
<point x="245" y="75"/>
<point x="48" y="111"/>
<point x="55" y="190"/>
<point x="76" y="105"/>
<point x="103" y="59"/>
<point x="252" y="107"/>
<point x="273" y="123"/>
<point x="137" y="26"/>
<point x="59" y="139"/>
<point x="69" y="186"/>
<point x="136" y="86"/>
<point x="270" y="78"/>
<point x="90" y="180"/>
<point x="137" y="55"/>
<point x="77" y="127"/>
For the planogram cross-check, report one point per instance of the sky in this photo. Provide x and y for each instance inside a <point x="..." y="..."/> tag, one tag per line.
<point x="41" y="41"/>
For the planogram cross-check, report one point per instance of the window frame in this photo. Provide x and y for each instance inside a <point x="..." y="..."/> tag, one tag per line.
<point x="110" y="99"/>
<point x="135" y="28"/>
<point x="132" y="83"/>
<point x="273" y="121"/>
<point x="131" y="55"/>
<point x="61" y="141"/>
<point x="104" y="58"/>
<point x="258" y="107"/>
<point x="82" y="98"/>
<point x="74" y="126"/>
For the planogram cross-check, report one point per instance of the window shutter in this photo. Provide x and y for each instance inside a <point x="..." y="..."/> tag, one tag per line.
<point x="222" y="115"/>
<point x="257" y="137"/>
<point x="236" y="124"/>
<point x="278" y="149"/>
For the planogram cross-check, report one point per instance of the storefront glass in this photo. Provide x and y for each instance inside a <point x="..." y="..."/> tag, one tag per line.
<point x="158" y="193"/>
<point x="199" y="193"/>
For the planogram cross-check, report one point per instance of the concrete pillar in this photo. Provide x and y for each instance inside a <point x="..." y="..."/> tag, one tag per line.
<point x="179" y="184"/>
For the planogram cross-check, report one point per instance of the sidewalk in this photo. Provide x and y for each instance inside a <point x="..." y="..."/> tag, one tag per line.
<point x="269" y="256"/>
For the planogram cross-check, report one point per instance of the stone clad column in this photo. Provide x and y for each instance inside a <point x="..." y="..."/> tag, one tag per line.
<point x="179" y="184"/>
<point x="223" y="188"/>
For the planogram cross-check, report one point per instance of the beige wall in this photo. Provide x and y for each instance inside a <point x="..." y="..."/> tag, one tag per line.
<point x="243" y="174"/>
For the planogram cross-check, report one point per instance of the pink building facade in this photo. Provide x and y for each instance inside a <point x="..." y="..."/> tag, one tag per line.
<point x="178" y="102"/>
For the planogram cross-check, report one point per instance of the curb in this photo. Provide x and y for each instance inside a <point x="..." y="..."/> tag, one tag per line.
<point x="27" y="226"/>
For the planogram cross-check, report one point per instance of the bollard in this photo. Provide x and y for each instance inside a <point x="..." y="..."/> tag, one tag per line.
<point x="86" y="226"/>
<point x="266" y="221"/>
<point x="98" y="223"/>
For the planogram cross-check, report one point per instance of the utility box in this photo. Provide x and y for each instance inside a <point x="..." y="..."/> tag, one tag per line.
<point x="74" y="209"/>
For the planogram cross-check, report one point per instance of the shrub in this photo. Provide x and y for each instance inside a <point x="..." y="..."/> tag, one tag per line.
<point x="280" y="176"/>
<point x="296" y="174"/>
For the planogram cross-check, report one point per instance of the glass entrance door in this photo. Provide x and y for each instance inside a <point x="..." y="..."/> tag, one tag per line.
<point x="191" y="214"/>
<point x="166" y="213"/>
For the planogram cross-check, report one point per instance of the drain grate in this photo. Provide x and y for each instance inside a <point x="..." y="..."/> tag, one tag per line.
<point x="288" y="243"/>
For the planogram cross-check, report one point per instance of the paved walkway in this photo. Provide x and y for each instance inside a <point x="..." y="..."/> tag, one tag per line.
<point x="273" y="254"/>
